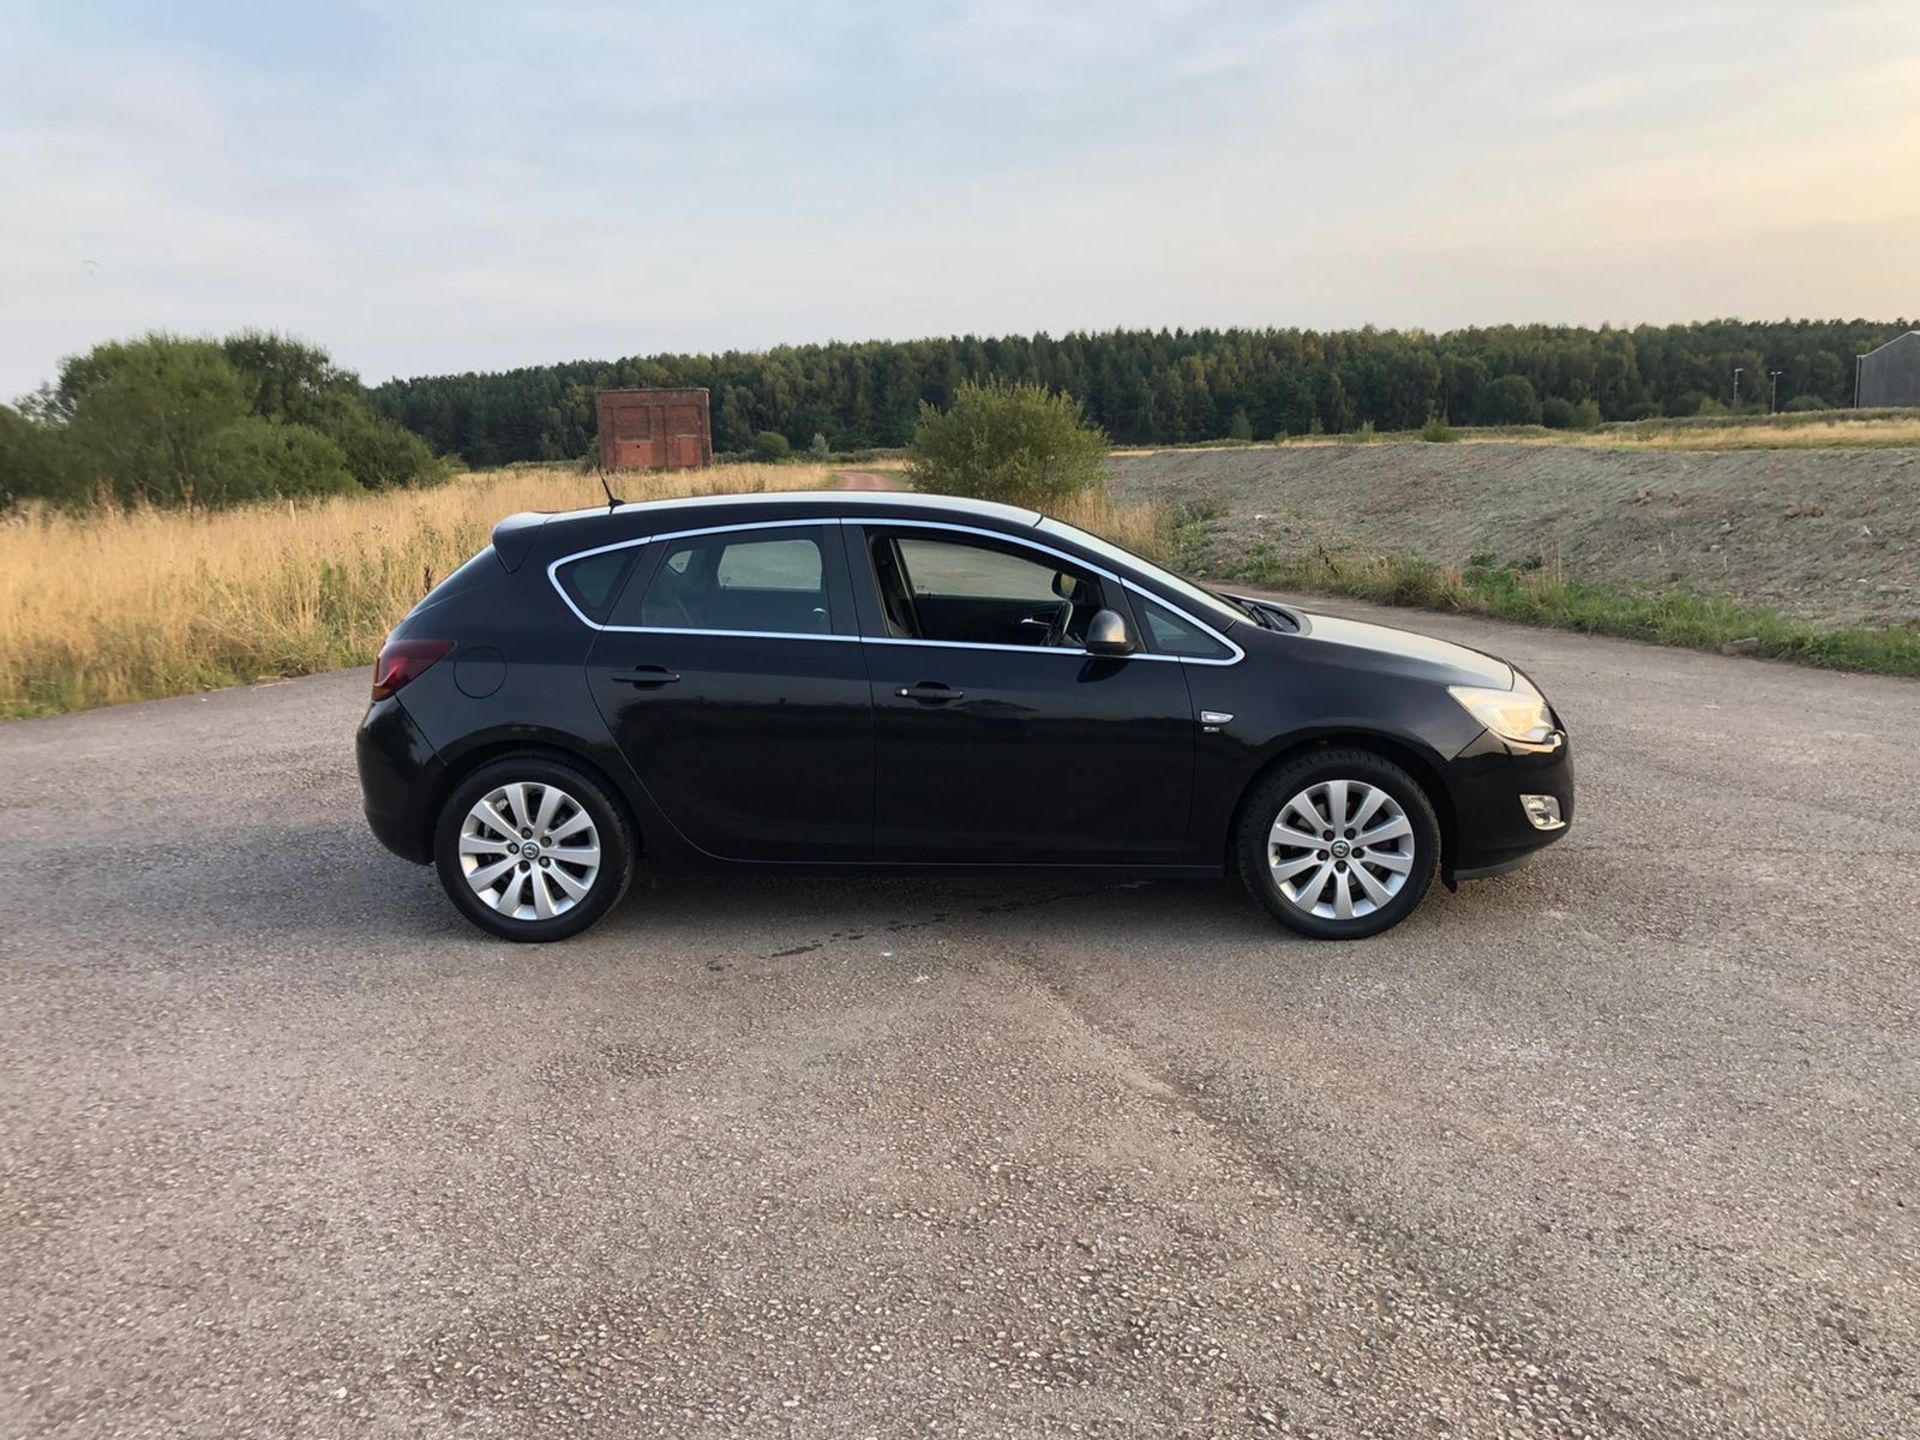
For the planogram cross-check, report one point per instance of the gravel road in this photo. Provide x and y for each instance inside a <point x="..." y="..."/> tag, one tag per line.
<point x="1622" y="1145"/>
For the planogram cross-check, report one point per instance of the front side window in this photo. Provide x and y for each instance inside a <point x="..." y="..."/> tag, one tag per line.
<point x="962" y="591"/>
<point x="773" y="582"/>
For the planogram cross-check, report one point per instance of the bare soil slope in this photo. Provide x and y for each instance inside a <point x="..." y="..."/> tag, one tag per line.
<point x="1829" y="535"/>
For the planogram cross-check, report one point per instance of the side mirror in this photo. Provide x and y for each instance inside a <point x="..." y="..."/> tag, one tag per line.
<point x="1064" y="585"/>
<point x="1107" y="634"/>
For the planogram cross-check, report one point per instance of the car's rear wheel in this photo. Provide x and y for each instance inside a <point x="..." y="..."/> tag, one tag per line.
<point x="1338" y="844"/>
<point x="532" y="849"/>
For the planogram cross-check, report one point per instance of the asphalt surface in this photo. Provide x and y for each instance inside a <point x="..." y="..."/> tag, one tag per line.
<point x="1625" y="1144"/>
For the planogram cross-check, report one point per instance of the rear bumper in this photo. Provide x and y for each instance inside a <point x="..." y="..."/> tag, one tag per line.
<point x="397" y="773"/>
<point x="1492" y="833"/>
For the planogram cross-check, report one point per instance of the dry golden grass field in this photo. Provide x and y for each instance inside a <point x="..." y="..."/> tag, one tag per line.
<point x="129" y="605"/>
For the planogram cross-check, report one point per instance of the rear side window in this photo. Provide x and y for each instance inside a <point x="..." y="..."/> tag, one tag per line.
<point x="771" y="582"/>
<point x="593" y="582"/>
<point x="1174" y="634"/>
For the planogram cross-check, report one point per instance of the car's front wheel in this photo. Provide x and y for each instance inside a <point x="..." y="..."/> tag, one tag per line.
<point x="1338" y="844"/>
<point x="532" y="849"/>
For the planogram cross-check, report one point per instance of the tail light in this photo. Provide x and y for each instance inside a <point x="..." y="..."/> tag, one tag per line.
<point x="403" y="661"/>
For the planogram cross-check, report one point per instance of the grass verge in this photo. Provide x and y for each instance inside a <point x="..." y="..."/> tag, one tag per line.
<point x="1541" y="597"/>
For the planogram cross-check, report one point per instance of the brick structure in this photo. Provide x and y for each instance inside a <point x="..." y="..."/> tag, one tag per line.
<point x="654" y="429"/>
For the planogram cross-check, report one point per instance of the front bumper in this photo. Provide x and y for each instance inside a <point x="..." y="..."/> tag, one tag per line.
<point x="1491" y="831"/>
<point x="397" y="773"/>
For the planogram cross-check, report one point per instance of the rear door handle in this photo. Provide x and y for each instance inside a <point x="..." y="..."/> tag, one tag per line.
<point x="931" y="692"/>
<point x="647" y="676"/>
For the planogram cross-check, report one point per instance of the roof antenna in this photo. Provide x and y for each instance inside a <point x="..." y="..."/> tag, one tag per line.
<point x="614" y="502"/>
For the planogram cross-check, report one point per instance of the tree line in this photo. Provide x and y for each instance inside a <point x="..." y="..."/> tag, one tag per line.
<point x="1168" y="387"/>
<point x="172" y="420"/>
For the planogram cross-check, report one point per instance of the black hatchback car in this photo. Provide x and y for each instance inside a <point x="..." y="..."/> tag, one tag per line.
<point x="902" y="682"/>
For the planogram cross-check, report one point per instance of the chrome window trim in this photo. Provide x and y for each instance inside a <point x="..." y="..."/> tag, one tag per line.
<point x="553" y="578"/>
<point x="735" y="634"/>
<point x="1012" y="649"/>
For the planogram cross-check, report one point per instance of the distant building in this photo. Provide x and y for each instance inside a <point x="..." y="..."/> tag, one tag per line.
<point x="654" y="429"/>
<point x="1891" y="374"/>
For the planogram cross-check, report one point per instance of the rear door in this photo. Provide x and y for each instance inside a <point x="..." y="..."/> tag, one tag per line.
<point x="731" y="675"/>
<point x="994" y="746"/>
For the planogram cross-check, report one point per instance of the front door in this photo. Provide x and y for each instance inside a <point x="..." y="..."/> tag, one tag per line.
<point x="997" y="738"/>
<point x="731" y="676"/>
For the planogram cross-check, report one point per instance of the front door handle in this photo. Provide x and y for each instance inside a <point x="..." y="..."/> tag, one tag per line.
<point x="647" y="676"/>
<point x="930" y="692"/>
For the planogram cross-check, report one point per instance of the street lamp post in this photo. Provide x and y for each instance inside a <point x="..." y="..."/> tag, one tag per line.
<point x="1773" y="391"/>
<point x="1736" y="385"/>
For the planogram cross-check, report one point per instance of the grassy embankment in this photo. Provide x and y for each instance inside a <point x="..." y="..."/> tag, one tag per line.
<point x="131" y="605"/>
<point x="1543" y="597"/>
<point x="1803" y="430"/>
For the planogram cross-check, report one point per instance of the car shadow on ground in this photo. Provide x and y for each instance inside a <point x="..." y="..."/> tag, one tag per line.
<point x="803" y="913"/>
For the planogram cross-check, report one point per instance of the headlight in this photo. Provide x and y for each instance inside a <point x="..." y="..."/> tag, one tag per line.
<point x="1517" y="714"/>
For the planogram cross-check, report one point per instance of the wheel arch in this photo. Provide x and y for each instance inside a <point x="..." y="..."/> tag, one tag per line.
<point x="1421" y="764"/>
<point x="456" y="768"/>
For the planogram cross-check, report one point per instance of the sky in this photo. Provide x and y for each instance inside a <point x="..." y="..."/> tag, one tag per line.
<point x="430" y="187"/>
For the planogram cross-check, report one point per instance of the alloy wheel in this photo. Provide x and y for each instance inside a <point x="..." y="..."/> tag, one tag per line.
<point x="1340" y="849"/>
<point x="529" y="851"/>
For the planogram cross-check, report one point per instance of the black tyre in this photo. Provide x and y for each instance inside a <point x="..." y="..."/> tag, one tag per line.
<point x="533" y="849"/>
<point x="1338" y="844"/>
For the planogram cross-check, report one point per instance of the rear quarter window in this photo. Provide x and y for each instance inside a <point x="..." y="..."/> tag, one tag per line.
<point x="593" y="582"/>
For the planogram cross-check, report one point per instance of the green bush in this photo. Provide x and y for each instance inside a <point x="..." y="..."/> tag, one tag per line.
<point x="35" y="465"/>
<point x="299" y="384"/>
<point x="1510" y="400"/>
<point x="770" y="447"/>
<point x="1805" y="402"/>
<point x="1437" y="431"/>
<point x="256" y="459"/>
<point x="148" y="421"/>
<point x="1586" y="415"/>
<point x="1240" y="427"/>
<point x="380" y="453"/>
<point x="819" y="449"/>
<point x="143" y="415"/>
<point x="1556" y="414"/>
<point x="1016" y="443"/>
<point x="1642" y="410"/>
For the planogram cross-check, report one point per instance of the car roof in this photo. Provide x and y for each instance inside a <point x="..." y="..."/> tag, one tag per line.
<point x="831" y="502"/>
<point x="574" y="530"/>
